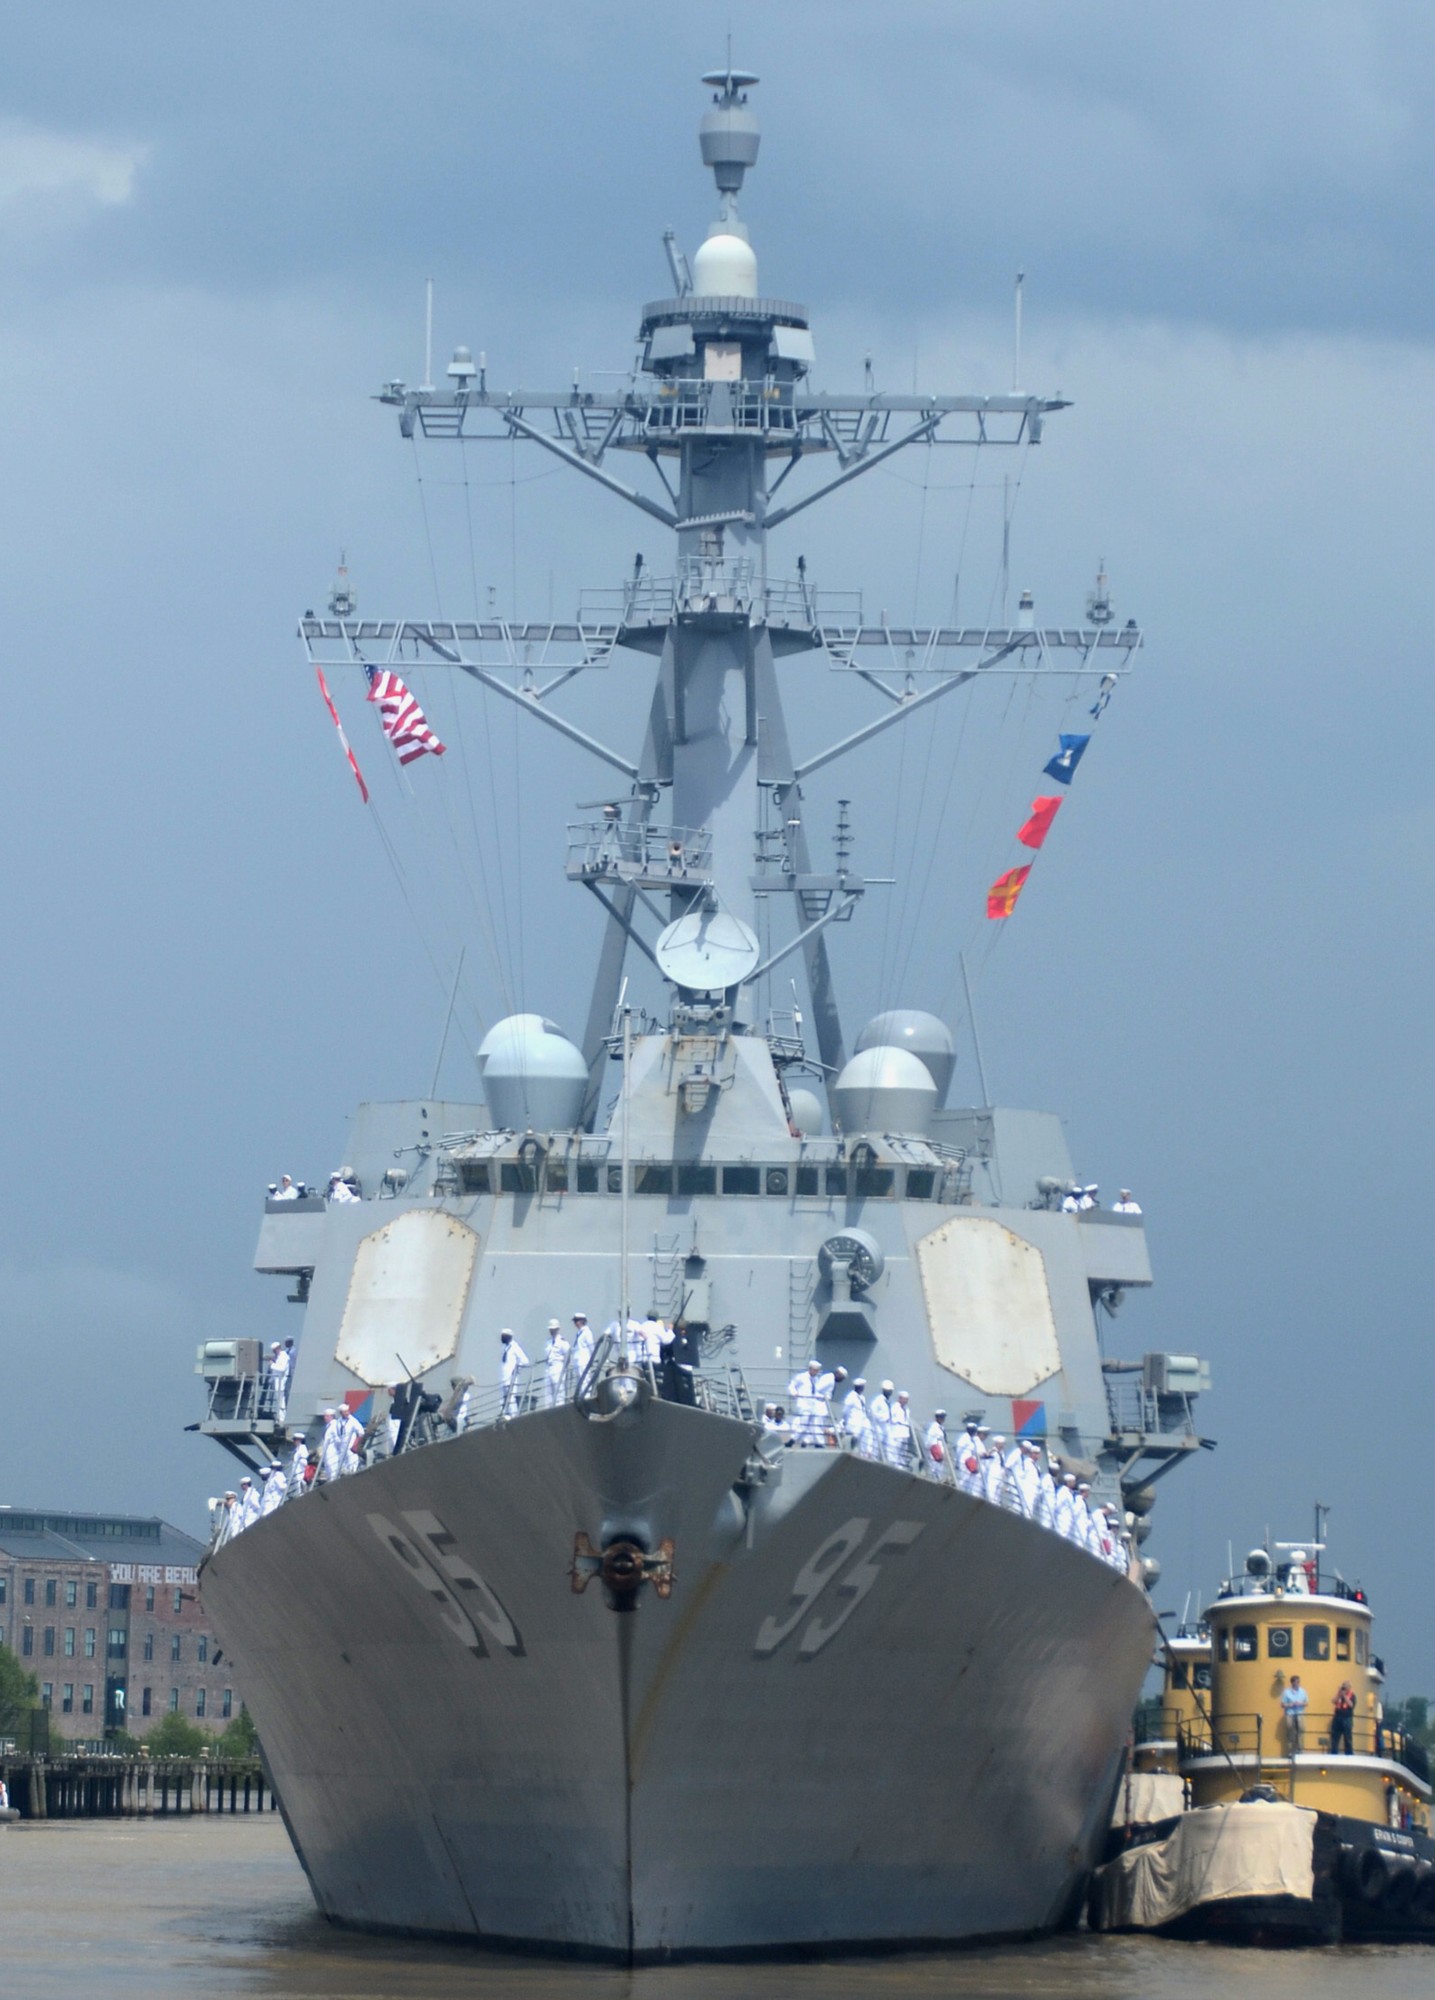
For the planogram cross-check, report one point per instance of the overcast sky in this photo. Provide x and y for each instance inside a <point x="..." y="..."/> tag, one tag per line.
<point x="215" y="229"/>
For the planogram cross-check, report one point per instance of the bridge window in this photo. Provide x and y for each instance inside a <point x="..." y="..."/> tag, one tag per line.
<point x="1278" y="1642"/>
<point x="836" y="1178"/>
<point x="1316" y="1642"/>
<point x="555" y="1176"/>
<point x="615" y="1180"/>
<point x="874" y="1181"/>
<point x="920" y="1182"/>
<point x="742" y="1180"/>
<point x="807" y="1180"/>
<point x="587" y="1177"/>
<point x="1245" y="1646"/>
<point x="518" y="1177"/>
<point x="473" y="1176"/>
<point x="693" y="1178"/>
<point x="653" y="1178"/>
<point x="775" y="1180"/>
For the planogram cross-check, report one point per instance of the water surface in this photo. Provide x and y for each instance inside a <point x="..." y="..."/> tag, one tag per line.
<point x="215" y="1907"/>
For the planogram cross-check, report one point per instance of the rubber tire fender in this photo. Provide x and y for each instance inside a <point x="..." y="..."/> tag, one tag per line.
<point x="1365" y="1871"/>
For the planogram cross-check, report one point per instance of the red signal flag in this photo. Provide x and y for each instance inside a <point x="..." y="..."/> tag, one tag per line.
<point x="1002" y="895"/>
<point x="1043" y="812"/>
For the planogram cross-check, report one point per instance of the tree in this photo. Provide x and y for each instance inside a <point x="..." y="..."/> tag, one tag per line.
<point x="239" y="1738"/>
<point x="19" y="1692"/>
<point x="1413" y="1716"/>
<point x="176" y="1736"/>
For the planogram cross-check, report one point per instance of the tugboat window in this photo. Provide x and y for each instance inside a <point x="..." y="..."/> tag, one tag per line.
<point x="1203" y="1677"/>
<point x="1223" y="1644"/>
<point x="1342" y="1642"/>
<point x="1361" y="1646"/>
<point x="1245" y="1642"/>
<point x="1278" y="1642"/>
<point x="1317" y="1642"/>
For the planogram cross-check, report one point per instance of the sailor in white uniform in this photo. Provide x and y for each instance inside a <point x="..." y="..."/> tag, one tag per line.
<point x="1044" y="1505"/>
<point x="331" y="1446"/>
<point x="352" y="1433"/>
<point x="1013" y="1489"/>
<point x="298" y="1466"/>
<point x="808" y="1406"/>
<point x="555" y="1366"/>
<point x="1071" y="1200"/>
<point x="651" y="1333"/>
<point x="994" y="1471"/>
<point x="511" y="1360"/>
<point x="936" y="1448"/>
<point x="225" y="1517"/>
<point x="880" y="1411"/>
<point x="856" y="1423"/>
<point x="248" y="1509"/>
<point x="584" y="1341"/>
<point x="278" y="1379"/>
<point x="900" y="1433"/>
<point x="969" y="1458"/>
<point x="339" y="1189"/>
<point x="1063" y="1514"/>
<point x="1087" y="1198"/>
<point x="273" y="1496"/>
<point x="286" y="1190"/>
<point x="461" y="1409"/>
<point x="1127" y="1205"/>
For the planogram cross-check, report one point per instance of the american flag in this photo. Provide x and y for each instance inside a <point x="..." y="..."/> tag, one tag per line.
<point x="403" y="720"/>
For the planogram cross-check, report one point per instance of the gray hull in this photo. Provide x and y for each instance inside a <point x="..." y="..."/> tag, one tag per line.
<point x="927" y="1753"/>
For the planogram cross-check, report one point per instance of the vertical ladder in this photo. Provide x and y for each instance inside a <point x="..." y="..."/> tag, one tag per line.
<point x="799" y="1310"/>
<point x="667" y="1261"/>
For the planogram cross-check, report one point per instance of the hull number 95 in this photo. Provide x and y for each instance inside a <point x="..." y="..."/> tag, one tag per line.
<point x="819" y="1571"/>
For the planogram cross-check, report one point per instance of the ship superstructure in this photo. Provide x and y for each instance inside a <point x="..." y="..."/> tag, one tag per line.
<point x="616" y="1667"/>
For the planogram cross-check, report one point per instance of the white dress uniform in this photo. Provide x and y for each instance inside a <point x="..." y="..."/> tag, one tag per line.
<point x="330" y="1450"/>
<point x="248" y="1506"/>
<point x="461" y="1410"/>
<point x="555" y="1371"/>
<point x="279" y="1380"/>
<point x="880" y="1413"/>
<point x="298" y="1466"/>
<point x="900" y="1440"/>
<point x="969" y="1460"/>
<point x="1063" y="1513"/>
<point x="856" y="1423"/>
<point x="994" y="1472"/>
<point x="936" y="1448"/>
<point x="806" y="1407"/>
<point x="274" y="1493"/>
<point x="513" y="1358"/>
<point x="1044" y="1507"/>
<point x="351" y="1431"/>
<point x="340" y="1190"/>
<point x="652" y="1335"/>
<point x="584" y="1341"/>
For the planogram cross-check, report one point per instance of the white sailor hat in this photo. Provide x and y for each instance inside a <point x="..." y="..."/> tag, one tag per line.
<point x="1000" y="1438"/>
<point x="507" y="1333"/>
<point x="580" y="1316"/>
<point x="555" y="1326"/>
<point x="886" y="1388"/>
<point x="860" y="1382"/>
<point x="939" y="1414"/>
<point x="1083" y="1485"/>
<point x="246" y="1480"/>
<point x="983" y="1429"/>
<point x="298" y="1437"/>
<point x="814" y="1367"/>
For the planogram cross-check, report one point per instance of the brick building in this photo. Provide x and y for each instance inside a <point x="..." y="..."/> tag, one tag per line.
<point x="104" y="1610"/>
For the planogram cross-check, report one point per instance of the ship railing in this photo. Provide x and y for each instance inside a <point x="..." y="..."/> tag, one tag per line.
<point x="1156" y="1725"/>
<point x="1253" y="1734"/>
<point x="1134" y="1408"/>
<point x="631" y="851"/>
<point x="243" y="1399"/>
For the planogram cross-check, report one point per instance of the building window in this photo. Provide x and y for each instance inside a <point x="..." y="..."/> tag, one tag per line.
<point x="149" y="1645"/>
<point x="1316" y="1644"/>
<point x="119" y="1597"/>
<point x="226" y="1702"/>
<point x="199" y="1701"/>
<point x="149" y="1597"/>
<point x="29" y="1590"/>
<point x="89" y="1642"/>
<point x="92" y="1596"/>
<point x="87" y="1699"/>
<point x="72" y="1595"/>
<point x="201" y="1651"/>
<point x="47" y="1693"/>
<point x="117" y="1642"/>
<point x="144" y="1702"/>
<point x="27" y="1643"/>
<point x="178" y="1600"/>
<point x="51" y="1587"/>
<point x="49" y="1641"/>
<point x="174" y="1646"/>
<point x="4" y="1585"/>
<point x="1245" y="1648"/>
<point x="69" y="1642"/>
<point x="174" y="1701"/>
<point x="67" y="1698"/>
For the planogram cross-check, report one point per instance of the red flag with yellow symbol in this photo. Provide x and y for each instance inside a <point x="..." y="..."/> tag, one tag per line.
<point x="1002" y="895"/>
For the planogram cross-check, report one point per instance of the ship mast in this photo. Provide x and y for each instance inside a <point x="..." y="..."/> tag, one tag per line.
<point x="711" y="819"/>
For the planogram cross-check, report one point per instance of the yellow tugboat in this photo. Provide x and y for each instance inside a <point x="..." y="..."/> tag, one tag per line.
<point x="1307" y="1814"/>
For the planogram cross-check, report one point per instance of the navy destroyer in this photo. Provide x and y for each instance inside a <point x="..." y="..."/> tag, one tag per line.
<point x="594" y="1654"/>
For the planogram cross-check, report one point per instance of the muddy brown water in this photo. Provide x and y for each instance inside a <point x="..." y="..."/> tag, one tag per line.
<point x="203" y="1908"/>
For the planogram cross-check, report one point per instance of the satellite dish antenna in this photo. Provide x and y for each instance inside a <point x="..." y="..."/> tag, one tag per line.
<point x="707" y="951"/>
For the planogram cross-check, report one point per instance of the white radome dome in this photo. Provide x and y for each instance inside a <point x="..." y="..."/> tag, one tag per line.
<point x="885" y="1090"/>
<point x="725" y="268"/>
<point x="806" y="1111"/>
<point x="534" y="1079"/>
<point x="921" y="1035"/>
